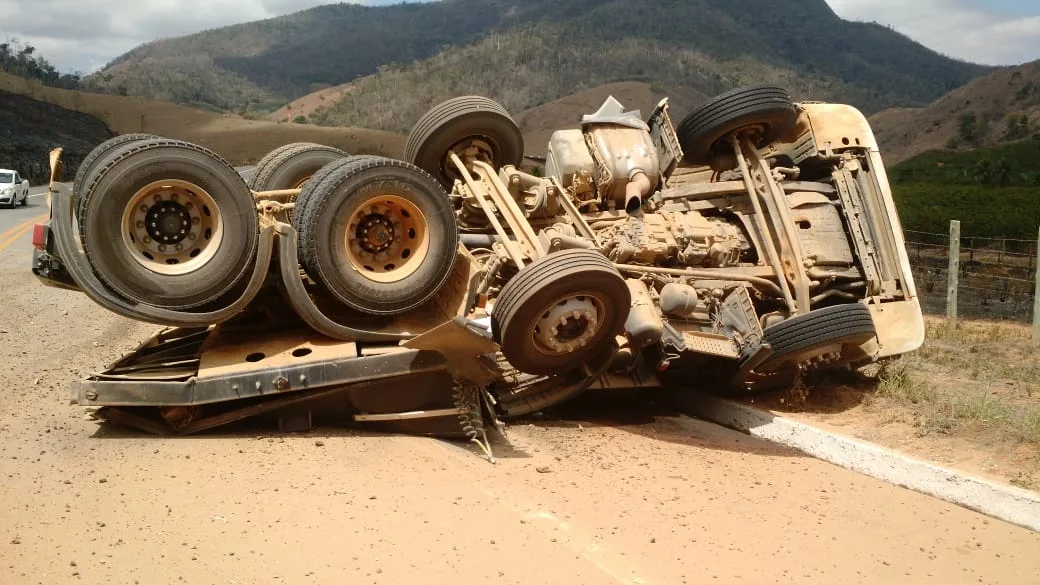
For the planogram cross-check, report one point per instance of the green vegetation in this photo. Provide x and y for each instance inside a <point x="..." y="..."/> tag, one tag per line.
<point x="23" y="61"/>
<point x="994" y="192"/>
<point x="971" y="128"/>
<point x="933" y="382"/>
<point x="530" y="43"/>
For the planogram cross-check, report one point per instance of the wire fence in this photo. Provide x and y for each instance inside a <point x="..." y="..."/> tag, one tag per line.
<point x="996" y="277"/>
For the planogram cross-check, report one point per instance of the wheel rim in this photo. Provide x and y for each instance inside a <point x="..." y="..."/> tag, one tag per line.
<point x="568" y="324"/>
<point x="293" y="198"/>
<point x="387" y="238"/>
<point x="485" y="153"/>
<point x="172" y="227"/>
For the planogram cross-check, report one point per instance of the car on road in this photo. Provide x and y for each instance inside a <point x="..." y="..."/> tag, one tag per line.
<point x="13" y="189"/>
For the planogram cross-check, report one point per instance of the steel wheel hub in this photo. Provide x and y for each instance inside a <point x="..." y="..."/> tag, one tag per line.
<point x="387" y="239"/>
<point x="568" y="325"/>
<point x="167" y="222"/>
<point x="172" y="227"/>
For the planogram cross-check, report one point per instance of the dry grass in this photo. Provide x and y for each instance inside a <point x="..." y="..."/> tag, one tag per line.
<point x="239" y="140"/>
<point x="973" y="377"/>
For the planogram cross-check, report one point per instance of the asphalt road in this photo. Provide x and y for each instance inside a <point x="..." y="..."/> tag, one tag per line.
<point x="16" y="224"/>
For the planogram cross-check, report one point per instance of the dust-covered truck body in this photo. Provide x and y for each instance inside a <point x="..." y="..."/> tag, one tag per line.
<point x="755" y="241"/>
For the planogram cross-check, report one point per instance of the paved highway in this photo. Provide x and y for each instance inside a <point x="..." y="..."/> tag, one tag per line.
<point x="16" y="224"/>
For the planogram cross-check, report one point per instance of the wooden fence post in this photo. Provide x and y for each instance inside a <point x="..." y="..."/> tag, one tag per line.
<point x="1036" y="296"/>
<point x="954" y="272"/>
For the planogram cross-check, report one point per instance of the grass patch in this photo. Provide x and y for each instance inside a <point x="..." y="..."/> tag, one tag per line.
<point x="948" y="410"/>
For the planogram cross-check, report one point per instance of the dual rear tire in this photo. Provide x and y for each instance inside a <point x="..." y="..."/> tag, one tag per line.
<point x="172" y="225"/>
<point x="376" y="234"/>
<point x="166" y="223"/>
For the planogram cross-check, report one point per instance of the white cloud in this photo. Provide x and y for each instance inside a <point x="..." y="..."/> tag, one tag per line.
<point x="83" y="35"/>
<point x="973" y="30"/>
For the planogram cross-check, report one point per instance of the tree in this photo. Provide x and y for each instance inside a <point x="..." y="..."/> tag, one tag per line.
<point x="22" y="60"/>
<point x="984" y="171"/>
<point x="970" y="128"/>
<point x="1017" y="126"/>
<point x="1002" y="171"/>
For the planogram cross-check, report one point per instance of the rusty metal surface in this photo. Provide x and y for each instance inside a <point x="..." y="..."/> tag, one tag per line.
<point x="272" y="381"/>
<point x="464" y="347"/>
<point x="279" y="349"/>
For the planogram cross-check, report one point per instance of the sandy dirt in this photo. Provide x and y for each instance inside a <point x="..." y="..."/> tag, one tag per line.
<point x="975" y="408"/>
<point x="619" y="491"/>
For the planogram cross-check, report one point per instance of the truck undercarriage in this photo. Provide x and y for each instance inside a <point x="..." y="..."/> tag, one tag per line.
<point x="753" y="242"/>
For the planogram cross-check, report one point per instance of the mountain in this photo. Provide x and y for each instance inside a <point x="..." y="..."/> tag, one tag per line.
<point x="75" y="119"/>
<point x="532" y="52"/>
<point x="998" y="108"/>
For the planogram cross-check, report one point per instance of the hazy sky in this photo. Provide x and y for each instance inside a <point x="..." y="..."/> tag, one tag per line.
<point x="83" y="35"/>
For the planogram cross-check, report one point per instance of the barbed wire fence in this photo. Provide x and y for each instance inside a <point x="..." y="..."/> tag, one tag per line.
<point x="994" y="278"/>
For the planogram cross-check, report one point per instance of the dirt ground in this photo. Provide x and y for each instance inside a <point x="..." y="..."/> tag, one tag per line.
<point x="615" y="491"/>
<point x="968" y="399"/>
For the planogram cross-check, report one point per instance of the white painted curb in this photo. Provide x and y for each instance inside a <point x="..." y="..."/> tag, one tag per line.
<point x="1007" y="503"/>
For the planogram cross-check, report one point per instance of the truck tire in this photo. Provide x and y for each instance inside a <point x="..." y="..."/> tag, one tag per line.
<point x="291" y="166"/>
<point x="766" y="108"/>
<point x="317" y="177"/>
<point x="460" y="122"/>
<point x="800" y="338"/>
<point x="97" y="154"/>
<point x="379" y="235"/>
<point x="168" y="224"/>
<point x="579" y="291"/>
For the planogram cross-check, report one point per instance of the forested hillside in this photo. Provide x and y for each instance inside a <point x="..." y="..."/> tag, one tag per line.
<point x="999" y="108"/>
<point x="702" y="45"/>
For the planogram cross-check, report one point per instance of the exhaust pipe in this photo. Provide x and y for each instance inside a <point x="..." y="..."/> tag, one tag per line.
<point x="638" y="187"/>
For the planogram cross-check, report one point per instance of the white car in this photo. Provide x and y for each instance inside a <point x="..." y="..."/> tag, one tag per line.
<point x="13" y="189"/>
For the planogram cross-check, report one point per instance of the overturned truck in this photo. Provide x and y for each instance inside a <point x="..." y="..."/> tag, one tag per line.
<point x="756" y="240"/>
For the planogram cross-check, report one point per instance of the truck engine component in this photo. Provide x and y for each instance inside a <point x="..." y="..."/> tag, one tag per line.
<point x="644" y="325"/>
<point x="469" y="123"/>
<point x="627" y="167"/>
<point x="168" y="224"/>
<point x="569" y="161"/>
<point x="378" y="235"/>
<point x="670" y="239"/>
<point x="679" y="300"/>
